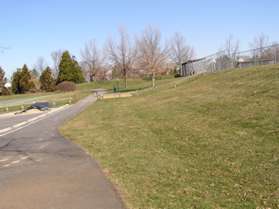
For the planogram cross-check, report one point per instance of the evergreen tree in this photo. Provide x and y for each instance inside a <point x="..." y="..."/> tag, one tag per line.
<point x="25" y="80"/>
<point x="15" y="82"/>
<point x="47" y="80"/>
<point x="2" y="80"/>
<point x="69" y="69"/>
<point x="21" y="81"/>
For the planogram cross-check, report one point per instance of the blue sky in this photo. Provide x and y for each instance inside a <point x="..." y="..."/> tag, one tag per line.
<point x="35" y="28"/>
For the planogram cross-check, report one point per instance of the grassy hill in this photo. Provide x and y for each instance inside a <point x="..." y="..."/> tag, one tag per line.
<point x="211" y="141"/>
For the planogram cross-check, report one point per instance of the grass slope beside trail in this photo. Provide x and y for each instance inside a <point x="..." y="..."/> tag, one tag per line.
<point x="133" y="84"/>
<point x="16" y="101"/>
<point x="211" y="142"/>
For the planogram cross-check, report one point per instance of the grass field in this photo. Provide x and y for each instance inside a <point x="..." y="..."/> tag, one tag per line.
<point x="133" y="84"/>
<point x="16" y="102"/>
<point x="210" y="142"/>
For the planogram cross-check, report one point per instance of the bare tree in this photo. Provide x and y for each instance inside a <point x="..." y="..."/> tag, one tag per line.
<point x="122" y="53"/>
<point x="231" y="48"/>
<point x="56" y="58"/>
<point x="259" y="43"/>
<point x="40" y="64"/>
<point x="228" y="54"/>
<point x="180" y="52"/>
<point x="91" y="57"/>
<point x="152" y="56"/>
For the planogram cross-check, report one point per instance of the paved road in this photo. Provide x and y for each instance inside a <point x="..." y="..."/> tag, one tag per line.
<point x="6" y="122"/>
<point x="39" y="169"/>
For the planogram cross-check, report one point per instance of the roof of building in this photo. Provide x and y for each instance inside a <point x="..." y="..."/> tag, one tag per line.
<point x="192" y="61"/>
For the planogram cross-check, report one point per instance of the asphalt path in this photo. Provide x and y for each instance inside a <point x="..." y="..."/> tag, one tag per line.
<point x="39" y="169"/>
<point x="8" y="121"/>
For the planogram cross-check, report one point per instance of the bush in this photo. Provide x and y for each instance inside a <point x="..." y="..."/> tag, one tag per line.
<point x="32" y="87"/>
<point x="5" y="92"/>
<point x="177" y="75"/>
<point x="66" y="86"/>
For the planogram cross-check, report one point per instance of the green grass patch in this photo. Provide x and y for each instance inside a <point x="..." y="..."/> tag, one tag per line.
<point x="17" y="102"/>
<point x="210" y="141"/>
<point x="133" y="84"/>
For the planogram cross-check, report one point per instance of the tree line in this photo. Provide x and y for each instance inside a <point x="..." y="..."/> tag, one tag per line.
<point x="144" y="55"/>
<point x="25" y="80"/>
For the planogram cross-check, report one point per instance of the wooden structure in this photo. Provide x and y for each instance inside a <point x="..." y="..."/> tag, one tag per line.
<point x="188" y="68"/>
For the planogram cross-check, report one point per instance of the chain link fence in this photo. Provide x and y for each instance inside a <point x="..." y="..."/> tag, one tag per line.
<point x="223" y="60"/>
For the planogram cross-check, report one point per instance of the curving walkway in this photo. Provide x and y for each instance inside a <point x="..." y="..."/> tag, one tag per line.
<point x="39" y="169"/>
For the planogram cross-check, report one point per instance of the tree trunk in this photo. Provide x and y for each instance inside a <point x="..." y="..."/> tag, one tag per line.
<point x="126" y="83"/>
<point x="153" y="80"/>
<point x="125" y="79"/>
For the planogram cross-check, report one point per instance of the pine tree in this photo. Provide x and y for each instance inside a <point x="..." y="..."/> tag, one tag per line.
<point x="2" y="80"/>
<point x="47" y="80"/>
<point x="21" y="81"/>
<point x="15" y="82"/>
<point x="25" y="83"/>
<point x="69" y="69"/>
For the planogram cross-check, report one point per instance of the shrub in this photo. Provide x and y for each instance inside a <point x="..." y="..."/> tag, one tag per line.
<point x="5" y="91"/>
<point x="66" y="86"/>
<point x="177" y="75"/>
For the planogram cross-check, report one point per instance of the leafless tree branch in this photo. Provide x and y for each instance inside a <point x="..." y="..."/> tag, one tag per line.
<point x="92" y="59"/>
<point x="152" y="56"/>
<point x="231" y="48"/>
<point x="56" y="58"/>
<point x="180" y="52"/>
<point x="122" y="53"/>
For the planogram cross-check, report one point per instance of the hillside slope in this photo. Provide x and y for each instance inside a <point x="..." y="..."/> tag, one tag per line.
<point x="211" y="141"/>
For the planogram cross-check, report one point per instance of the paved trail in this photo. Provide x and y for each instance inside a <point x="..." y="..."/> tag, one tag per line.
<point x="39" y="169"/>
<point x="6" y="122"/>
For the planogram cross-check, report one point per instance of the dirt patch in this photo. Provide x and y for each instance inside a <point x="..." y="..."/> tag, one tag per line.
<point x="116" y="95"/>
